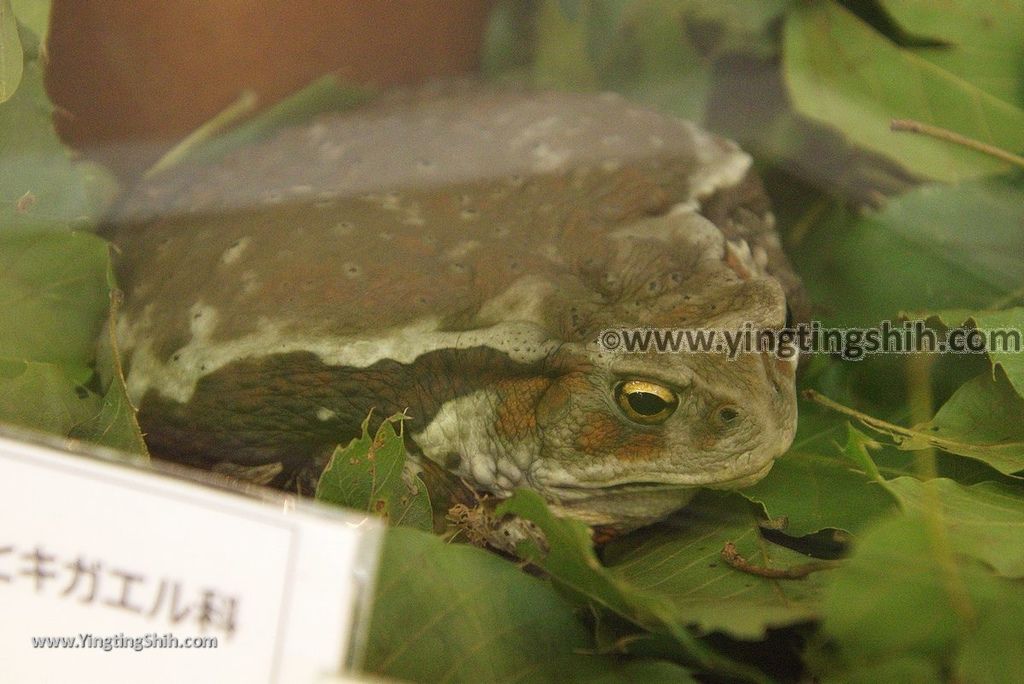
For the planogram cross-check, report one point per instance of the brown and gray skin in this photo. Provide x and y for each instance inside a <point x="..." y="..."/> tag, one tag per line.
<point x="455" y="253"/>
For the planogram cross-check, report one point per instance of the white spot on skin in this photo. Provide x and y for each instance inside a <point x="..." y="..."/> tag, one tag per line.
<point x="461" y="250"/>
<point x="547" y="159"/>
<point x="413" y="215"/>
<point x="250" y="282"/>
<point x="540" y="128"/>
<point x="232" y="253"/>
<point x="390" y="201"/>
<point x="317" y="131"/>
<point x="323" y="414"/>
<point x="550" y="252"/>
<point x="333" y="151"/>
<point x="202" y="321"/>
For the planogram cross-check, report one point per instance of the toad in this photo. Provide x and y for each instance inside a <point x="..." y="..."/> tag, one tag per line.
<point x="456" y="254"/>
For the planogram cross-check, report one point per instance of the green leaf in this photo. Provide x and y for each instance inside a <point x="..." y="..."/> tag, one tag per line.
<point x="42" y="396"/>
<point x="857" y="451"/>
<point x="41" y="188"/>
<point x="839" y="71"/>
<point x="990" y="653"/>
<point x="608" y="669"/>
<point x="54" y="283"/>
<point x="1011" y="362"/>
<point x="35" y="14"/>
<point x="54" y="300"/>
<point x="54" y="286"/>
<point x="116" y="425"/>
<point x="454" y="613"/>
<point x="984" y="40"/>
<point x="984" y="419"/>
<point x="981" y="420"/>
<point x="897" y="670"/>
<point x="507" y="48"/>
<point x="878" y="461"/>
<point x="653" y="61"/>
<point x="572" y="561"/>
<point x="368" y="475"/>
<point x="670" y="577"/>
<point x="561" y="57"/>
<point x="680" y="562"/>
<point x="53" y="296"/>
<point x="985" y="521"/>
<point x="820" y="485"/>
<point x="12" y="61"/>
<point x="902" y="595"/>
<point x="935" y="247"/>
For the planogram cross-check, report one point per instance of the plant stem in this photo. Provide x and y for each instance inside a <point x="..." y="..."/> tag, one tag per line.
<point x="244" y="105"/>
<point x="939" y="133"/>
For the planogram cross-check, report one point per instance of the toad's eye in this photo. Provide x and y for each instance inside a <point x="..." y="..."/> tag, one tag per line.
<point x="645" y="402"/>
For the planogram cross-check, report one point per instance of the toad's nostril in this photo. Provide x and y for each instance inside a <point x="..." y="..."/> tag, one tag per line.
<point x="726" y="416"/>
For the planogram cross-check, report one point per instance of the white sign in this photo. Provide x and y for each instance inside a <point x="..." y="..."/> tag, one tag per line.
<point x="111" y="573"/>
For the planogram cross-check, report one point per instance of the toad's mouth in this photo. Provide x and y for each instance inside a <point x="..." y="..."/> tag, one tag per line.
<point x="668" y="481"/>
